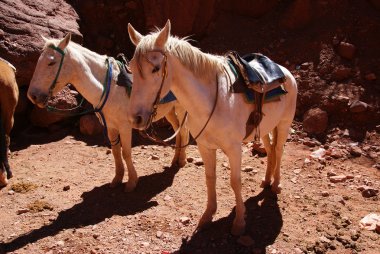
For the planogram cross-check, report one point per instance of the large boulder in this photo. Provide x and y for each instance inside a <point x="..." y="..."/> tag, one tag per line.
<point x="248" y="7"/>
<point x="22" y="22"/>
<point x="315" y="121"/>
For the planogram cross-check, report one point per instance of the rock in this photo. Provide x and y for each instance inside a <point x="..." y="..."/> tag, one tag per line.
<point x="154" y="157"/>
<point x="248" y="7"/>
<point x="22" y="24"/>
<point x="198" y="162"/>
<point x="370" y="221"/>
<point x="63" y="100"/>
<point x="355" y="151"/>
<point x="369" y="192"/>
<point x="358" y="107"/>
<point x="246" y="240"/>
<point x="184" y="220"/>
<point x="247" y="169"/>
<point x="159" y="234"/>
<point x="189" y="17"/>
<point x="370" y="77"/>
<point x="190" y="159"/>
<point x="325" y="194"/>
<point x="89" y="125"/>
<point x="315" y="121"/>
<point x="11" y="192"/>
<point x="346" y="50"/>
<point x="337" y="179"/>
<point x="336" y="153"/>
<point x="298" y="15"/>
<point x="341" y="73"/>
<point x="23" y="210"/>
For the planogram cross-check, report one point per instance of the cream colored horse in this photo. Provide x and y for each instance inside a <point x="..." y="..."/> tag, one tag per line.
<point x="86" y="71"/>
<point x="199" y="81"/>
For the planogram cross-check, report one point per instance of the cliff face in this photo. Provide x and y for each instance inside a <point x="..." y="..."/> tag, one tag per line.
<point x="22" y="22"/>
<point x="331" y="46"/>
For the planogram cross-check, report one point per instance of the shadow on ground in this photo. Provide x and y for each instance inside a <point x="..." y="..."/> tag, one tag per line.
<point x="106" y="201"/>
<point x="264" y="223"/>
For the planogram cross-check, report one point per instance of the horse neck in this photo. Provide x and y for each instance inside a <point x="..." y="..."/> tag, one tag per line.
<point x="91" y="74"/>
<point x="188" y="88"/>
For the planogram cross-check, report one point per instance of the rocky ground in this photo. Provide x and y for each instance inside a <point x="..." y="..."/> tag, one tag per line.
<point x="60" y="201"/>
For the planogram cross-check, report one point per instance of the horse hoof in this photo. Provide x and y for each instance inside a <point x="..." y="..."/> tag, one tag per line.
<point x="264" y="184"/>
<point x="115" y="182"/>
<point x="237" y="229"/>
<point x="178" y="163"/>
<point x="130" y="186"/>
<point x="276" y="189"/>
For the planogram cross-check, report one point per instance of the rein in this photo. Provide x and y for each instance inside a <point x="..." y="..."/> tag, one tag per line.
<point x="153" y="136"/>
<point x="98" y="108"/>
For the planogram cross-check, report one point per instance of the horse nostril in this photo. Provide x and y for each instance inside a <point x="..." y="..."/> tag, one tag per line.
<point x="138" y="120"/>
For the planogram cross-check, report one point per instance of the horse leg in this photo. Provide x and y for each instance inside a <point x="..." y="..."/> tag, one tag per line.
<point x="172" y="119"/>
<point x="282" y="132"/>
<point x="269" y="148"/>
<point x="184" y="135"/>
<point x="113" y="134"/>
<point x="126" y="140"/>
<point x="209" y="159"/>
<point x="234" y="156"/>
<point x="3" y="153"/>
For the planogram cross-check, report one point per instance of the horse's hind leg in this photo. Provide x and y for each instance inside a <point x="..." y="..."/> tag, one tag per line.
<point x="282" y="132"/>
<point x="126" y="141"/>
<point x="271" y="161"/>
<point x="179" y="158"/>
<point x="113" y="135"/>
<point x="209" y="159"/>
<point x="184" y="135"/>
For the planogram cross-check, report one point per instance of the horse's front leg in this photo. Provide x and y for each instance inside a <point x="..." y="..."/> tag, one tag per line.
<point x="271" y="161"/>
<point x="234" y="157"/>
<point x="184" y="134"/>
<point x="209" y="159"/>
<point x="126" y="140"/>
<point x="113" y="135"/>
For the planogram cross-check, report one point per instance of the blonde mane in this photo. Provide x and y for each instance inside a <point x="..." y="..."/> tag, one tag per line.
<point x="201" y="64"/>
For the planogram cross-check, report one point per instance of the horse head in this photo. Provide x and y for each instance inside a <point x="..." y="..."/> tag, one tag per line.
<point x="151" y="79"/>
<point x="51" y="72"/>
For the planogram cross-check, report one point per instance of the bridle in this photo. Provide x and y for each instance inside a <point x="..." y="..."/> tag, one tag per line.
<point x="103" y="99"/>
<point x="153" y="136"/>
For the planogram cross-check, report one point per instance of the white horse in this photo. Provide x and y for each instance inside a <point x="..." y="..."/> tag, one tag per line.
<point x="201" y="83"/>
<point x="62" y="62"/>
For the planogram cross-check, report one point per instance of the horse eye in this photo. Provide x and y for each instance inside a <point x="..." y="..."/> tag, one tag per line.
<point x="155" y="69"/>
<point x="52" y="63"/>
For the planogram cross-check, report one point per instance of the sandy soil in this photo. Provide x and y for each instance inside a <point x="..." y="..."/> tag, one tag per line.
<point x="60" y="202"/>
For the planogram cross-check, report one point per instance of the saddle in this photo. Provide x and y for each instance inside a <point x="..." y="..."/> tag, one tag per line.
<point x="260" y="79"/>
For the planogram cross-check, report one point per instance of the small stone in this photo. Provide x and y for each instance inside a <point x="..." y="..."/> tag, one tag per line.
<point x="184" y="220"/>
<point x="23" y="210"/>
<point x="355" y="151"/>
<point x="95" y="236"/>
<point x="369" y="192"/>
<point x="11" y="192"/>
<point x="338" y="178"/>
<point x="108" y="151"/>
<point x="66" y="188"/>
<point x="246" y="240"/>
<point x="198" y="162"/>
<point x="325" y="194"/>
<point x="370" y="77"/>
<point x="154" y="157"/>
<point x="341" y="73"/>
<point x="159" y="234"/>
<point x="167" y="198"/>
<point x="190" y="159"/>
<point x="247" y="169"/>
<point x="60" y="243"/>
<point x="358" y="107"/>
<point x="144" y="244"/>
<point x="346" y="50"/>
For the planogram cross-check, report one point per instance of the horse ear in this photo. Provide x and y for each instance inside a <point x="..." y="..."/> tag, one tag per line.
<point x="44" y="38"/>
<point x="65" y="41"/>
<point x="163" y="36"/>
<point x="134" y="35"/>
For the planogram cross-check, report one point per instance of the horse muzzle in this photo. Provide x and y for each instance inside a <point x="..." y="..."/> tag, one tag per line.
<point x="37" y="97"/>
<point x="138" y="121"/>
